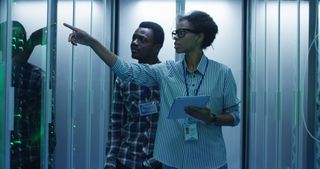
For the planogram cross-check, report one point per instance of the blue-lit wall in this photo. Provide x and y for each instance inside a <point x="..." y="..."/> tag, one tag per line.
<point x="283" y="123"/>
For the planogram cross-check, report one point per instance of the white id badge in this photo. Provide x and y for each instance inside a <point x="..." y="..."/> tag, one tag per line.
<point x="148" y="108"/>
<point x="190" y="131"/>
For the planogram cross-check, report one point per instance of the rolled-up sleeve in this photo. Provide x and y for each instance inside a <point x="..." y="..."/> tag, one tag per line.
<point x="231" y="101"/>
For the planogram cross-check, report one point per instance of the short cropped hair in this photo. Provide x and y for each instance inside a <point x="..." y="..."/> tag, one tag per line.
<point x="202" y="23"/>
<point x="158" y="33"/>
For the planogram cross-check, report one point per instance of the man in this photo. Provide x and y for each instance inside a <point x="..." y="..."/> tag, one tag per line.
<point x="134" y="114"/>
<point x="26" y="80"/>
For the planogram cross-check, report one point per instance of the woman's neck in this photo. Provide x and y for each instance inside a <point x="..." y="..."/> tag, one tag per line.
<point x="193" y="60"/>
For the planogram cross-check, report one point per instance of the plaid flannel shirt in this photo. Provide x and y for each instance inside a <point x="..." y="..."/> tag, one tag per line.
<point x="131" y="136"/>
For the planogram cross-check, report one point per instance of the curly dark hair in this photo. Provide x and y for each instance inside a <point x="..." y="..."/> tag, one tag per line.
<point x="202" y="23"/>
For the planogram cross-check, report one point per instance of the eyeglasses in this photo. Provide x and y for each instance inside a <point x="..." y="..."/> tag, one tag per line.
<point x="180" y="33"/>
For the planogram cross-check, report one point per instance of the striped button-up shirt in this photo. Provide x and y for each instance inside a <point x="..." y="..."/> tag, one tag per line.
<point x="208" y="152"/>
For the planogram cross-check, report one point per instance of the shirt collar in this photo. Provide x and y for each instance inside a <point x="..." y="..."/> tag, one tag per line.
<point x="201" y="66"/>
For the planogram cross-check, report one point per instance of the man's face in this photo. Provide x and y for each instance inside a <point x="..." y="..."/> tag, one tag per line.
<point x="142" y="46"/>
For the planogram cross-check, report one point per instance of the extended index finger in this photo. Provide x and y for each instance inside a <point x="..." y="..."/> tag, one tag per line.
<point x="71" y="27"/>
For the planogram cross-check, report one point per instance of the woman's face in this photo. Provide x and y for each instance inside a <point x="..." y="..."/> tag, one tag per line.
<point x="186" y="38"/>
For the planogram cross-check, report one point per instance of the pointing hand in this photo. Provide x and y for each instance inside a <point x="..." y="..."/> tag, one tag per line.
<point x="78" y="36"/>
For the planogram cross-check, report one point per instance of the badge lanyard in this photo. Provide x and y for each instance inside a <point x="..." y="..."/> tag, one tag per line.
<point x="190" y="127"/>
<point x="186" y="82"/>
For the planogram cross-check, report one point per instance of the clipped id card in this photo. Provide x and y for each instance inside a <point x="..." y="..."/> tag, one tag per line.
<point x="148" y="108"/>
<point x="190" y="131"/>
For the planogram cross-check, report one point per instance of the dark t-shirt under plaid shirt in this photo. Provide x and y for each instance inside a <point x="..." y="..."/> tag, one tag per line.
<point x="131" y="136"/>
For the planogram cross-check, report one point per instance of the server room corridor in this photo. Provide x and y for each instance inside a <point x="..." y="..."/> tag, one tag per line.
<point x="56" y="98"/>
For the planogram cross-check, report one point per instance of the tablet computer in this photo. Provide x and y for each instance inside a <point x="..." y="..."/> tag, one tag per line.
<point x="179" y="103"/>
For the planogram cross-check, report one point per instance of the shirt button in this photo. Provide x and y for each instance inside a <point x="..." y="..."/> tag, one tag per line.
<point x="145" y="150"/>
<point x="145" y="163"/>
